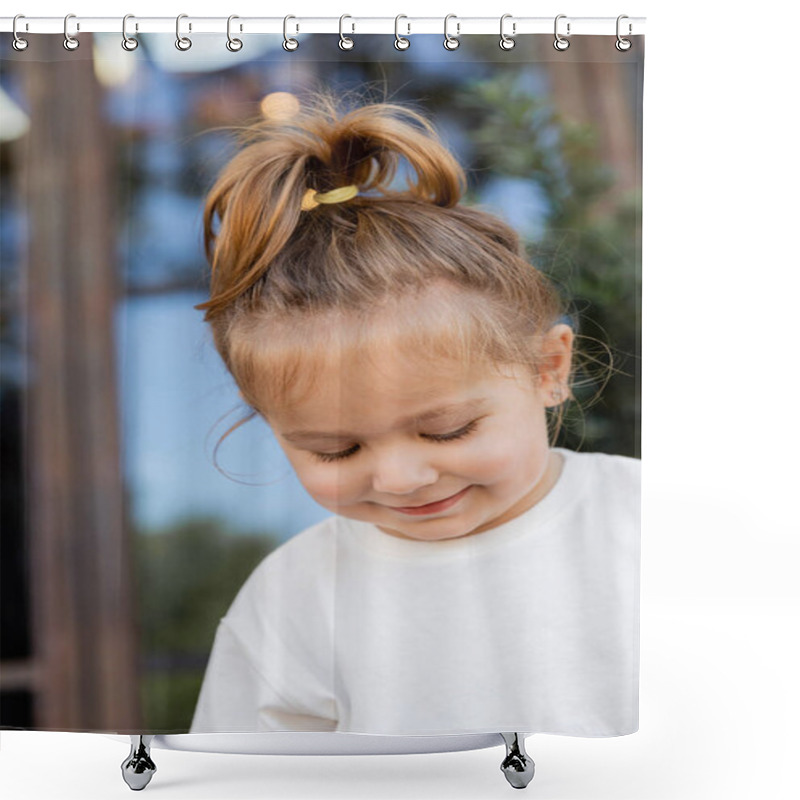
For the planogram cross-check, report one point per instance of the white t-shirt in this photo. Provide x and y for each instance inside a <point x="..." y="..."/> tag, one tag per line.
<point x="532" y="626"/>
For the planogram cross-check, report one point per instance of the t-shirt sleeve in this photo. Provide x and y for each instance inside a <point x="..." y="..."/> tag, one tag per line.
<point x="271" y="664"/>
<point x="232" y="689"/>
<point x="235" y="697"/>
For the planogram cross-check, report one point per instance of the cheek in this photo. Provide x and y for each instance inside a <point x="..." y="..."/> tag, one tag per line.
<point x="513" y="456"/>
<point x="328" y="484"/>
<point x="496" y="461"/>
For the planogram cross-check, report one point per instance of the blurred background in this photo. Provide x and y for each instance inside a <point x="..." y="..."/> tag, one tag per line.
<point x="121" y="544"/>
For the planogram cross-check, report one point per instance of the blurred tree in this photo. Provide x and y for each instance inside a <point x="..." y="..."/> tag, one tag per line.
<point x="187" y="577"/>
<point x="589" y="248"/>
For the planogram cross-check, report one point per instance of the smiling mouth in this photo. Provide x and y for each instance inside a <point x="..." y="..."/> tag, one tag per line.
<point x="429" y="508"/>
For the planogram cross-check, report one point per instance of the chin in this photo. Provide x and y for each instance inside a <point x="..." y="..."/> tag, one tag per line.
<point x="420" y="534"/>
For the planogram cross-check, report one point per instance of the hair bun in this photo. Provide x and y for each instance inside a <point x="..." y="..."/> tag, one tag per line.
<point x="314" y="144"/>
<point x="365" y="146"/>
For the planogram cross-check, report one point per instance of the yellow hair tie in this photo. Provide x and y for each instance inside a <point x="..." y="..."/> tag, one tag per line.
<point x="312" y="198"/>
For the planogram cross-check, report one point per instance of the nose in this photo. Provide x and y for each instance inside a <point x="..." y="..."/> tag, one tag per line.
<point x="398" y="471"/>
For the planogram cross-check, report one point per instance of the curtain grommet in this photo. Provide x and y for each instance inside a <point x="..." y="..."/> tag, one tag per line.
<point x="18" y="43"/>
<point x="507" y="42"/>
<point x="451" y="42"/>
<point x="345" y="42"/>
<point x="183" y="43"/>
<point x="70" y="42"/>
<point x="234" y="45"/>
<point x="400" y="42"/>
<point x="560" y="43"/>
<point x="128" y="43"/>
<point x="289" y="44"/>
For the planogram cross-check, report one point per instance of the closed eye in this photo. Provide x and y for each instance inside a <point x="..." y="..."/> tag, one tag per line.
<point x="435" y="437"/>
<point x="448" y="437"/>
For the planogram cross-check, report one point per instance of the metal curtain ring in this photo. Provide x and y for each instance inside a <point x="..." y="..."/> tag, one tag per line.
<point x="451" y="42"/>
<point x="623" y="44"/>
<point x="289" y="44"/>
<point x="234" y="45"/>
<point x="128" y="42"/>
<point x="345" y="42"/>
<point x="182" y="42"/>
<point x="70" y="42"/>
<point x="400" y="43"/>
<point x="18" y="43"/>
<point x="506" y="42"/>
<point x="561" y="43"/>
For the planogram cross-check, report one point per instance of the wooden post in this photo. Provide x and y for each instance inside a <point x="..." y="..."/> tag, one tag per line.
<point x="81" y="571"/>
<point x="596" y="89"/>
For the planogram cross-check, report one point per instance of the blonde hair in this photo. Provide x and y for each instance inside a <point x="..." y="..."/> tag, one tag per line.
<point x="281" y="275"/>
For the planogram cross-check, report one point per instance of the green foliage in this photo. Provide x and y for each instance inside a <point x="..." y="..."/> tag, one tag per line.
<point x="187" y="577"/>
<point x="590" y="249"/>
<point x="598" y="265"/>
<point x="168" y="699"/>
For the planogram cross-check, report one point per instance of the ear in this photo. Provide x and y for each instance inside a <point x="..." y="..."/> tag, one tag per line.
<point x="556" y="361"/>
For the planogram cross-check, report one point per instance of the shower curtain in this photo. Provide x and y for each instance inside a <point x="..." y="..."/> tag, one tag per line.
<point x="154" y="576"/>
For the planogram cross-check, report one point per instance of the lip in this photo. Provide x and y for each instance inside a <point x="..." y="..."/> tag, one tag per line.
<point x="433" y="508"/>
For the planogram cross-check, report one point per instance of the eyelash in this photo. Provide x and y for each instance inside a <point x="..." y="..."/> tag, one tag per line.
<point x="445" y="437"/>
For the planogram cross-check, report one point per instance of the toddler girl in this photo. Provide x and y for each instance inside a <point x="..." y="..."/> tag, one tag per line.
<point x="407" y="357"/>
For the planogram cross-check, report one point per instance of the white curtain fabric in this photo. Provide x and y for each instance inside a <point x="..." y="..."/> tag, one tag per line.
<point x="153" y="583"/>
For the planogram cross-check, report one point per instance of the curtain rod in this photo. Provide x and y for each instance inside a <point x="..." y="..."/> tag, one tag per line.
<point x="403" y="25"/>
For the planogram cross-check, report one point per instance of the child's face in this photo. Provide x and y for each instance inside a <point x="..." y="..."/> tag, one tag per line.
<point x="362" y="445"/>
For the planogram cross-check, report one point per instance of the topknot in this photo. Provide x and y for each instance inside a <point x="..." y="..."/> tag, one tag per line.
<point x="316" y="144"/>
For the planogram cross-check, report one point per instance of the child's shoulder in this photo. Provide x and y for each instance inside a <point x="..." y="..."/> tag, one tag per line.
<point x="605" y="468"/>
<point x="313" y="549"/>
<point x="302" y="566"/>
<point x="314" y="544"/>
<point x="600" y="460"/>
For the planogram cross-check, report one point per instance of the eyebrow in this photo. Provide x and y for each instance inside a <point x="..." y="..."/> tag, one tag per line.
<point x="426" y="416"/>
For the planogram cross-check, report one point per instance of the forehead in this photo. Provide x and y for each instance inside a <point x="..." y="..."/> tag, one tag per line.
<point x="414" y="350"/>
<point x="386" y="385"/>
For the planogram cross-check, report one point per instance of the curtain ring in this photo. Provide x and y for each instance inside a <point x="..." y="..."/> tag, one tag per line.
<point x="561" y="43"/>
<point x="234" y="45"/>
<point x="401" y="43"/>
<point x="345" y="42"/>
<point x="623" y="44"/>
<point x="18" y="44"/>
<point x="506" y="41"/>
<point x="182" y="42"/>
<point x="70" y="42"/>
<point x="128" y="42"/>
<point x="289" y="44"/>
<point x="451" y="42"/>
